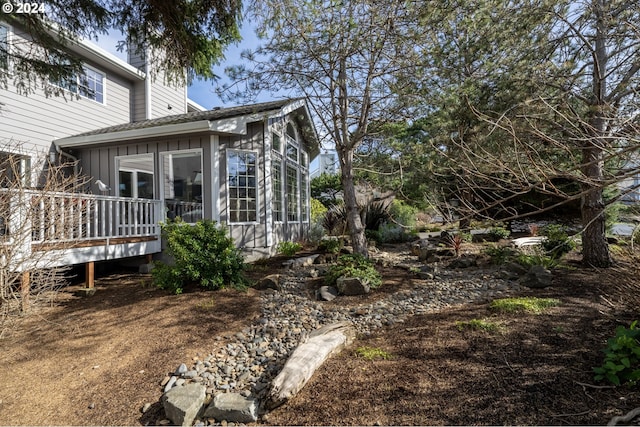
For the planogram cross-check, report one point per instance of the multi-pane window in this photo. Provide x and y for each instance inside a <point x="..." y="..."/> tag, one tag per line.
<point x="292" y="193"/>
<point x="242" y="182"/>
<point x="295" y="182"/>
<point x="277" y="199"/>
<point x="304" y="213"/>
<point x="135" y="176"/>
<point x="89" y="84"/>
<point x="4" y="47"/>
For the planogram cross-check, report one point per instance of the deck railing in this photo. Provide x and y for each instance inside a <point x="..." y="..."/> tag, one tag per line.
<point x="52" y="218"/>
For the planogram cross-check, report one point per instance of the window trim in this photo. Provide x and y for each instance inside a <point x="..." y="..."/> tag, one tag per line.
<point x="78" y="85"/>
<point x="117" y="160"/>
<point x="228" y="187"/>
<point x="161" y="172"/>
<point x="277" y="158"/>
<point x="9" y="42"/>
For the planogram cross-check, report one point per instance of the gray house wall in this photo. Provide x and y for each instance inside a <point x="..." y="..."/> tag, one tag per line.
<point x="36" y="120"/>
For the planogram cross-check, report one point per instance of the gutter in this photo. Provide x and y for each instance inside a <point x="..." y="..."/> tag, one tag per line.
<point x="68" y="156"/>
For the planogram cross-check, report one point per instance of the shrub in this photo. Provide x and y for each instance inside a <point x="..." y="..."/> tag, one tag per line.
<point x="354" y="265"/>
<point x="403" y="213"/>
<point x="317" y="210"/>
<point x="499" y="254"/>
<point x="202" y="253"/>
<point x="557" y="242"/>
<point x="288" y="248"/>
<point x="498" y="233"/>
<point x="330" y="245"/>
<point x="334" y="220"/>
<point x="375" y="214"/>
<point x="537" y="259"/>
<point x="391" y="233"/>
<point x="622" y="357"/>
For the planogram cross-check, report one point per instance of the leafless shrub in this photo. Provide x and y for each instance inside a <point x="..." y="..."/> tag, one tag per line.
<point x="38" y="223"/>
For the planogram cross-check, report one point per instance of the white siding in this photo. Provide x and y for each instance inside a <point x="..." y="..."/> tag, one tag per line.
<point x="36" y="120"/>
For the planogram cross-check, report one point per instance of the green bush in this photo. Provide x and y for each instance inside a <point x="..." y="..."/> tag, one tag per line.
<point x="499" y="254"/>
<point x="354" y="265"/>
<point x="202" y="253"/>
<point x="288" y="248"/>
<point x="331" y="245"/>
<point x="557" y="242"/>
<point x="498" y="233"/>
<point x="537" y="259"/>
<point x="317" y="210"/>
<point x="403" y="213"/>
<point x="622" y="357"/>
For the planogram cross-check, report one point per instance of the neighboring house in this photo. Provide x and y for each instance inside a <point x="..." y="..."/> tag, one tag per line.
<point x="327" y="163"/>
<point x="161" y="154"/>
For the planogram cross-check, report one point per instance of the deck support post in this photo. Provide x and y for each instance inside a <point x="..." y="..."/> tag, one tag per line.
<point x="25" y="288"/>
<point x="149" y="258"/>
<point x="89" y="269"/>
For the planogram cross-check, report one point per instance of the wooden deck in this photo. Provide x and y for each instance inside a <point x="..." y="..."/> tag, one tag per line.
<point x="45" y="229"/>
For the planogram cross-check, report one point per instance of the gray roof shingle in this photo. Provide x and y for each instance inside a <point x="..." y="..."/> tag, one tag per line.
<point x="215" y="114"/>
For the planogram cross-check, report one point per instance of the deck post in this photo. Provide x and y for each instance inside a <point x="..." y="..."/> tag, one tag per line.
<point x="25" y="288"/>
<point x="89" y="275"/>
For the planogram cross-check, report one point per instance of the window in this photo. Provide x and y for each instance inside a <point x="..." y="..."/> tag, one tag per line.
<point x="276" y="143"/>
<point x="182" y="184"/>
<point x="242" y="184"/>
<point x="276" y="176"/>
<point x="135" y="176"/>
<point x="292" y="193"/>
<point x="90" y="84"/>
<point x="15" y="170"/>
<point x="4" y="47"/>
<point x="295" y="182"/>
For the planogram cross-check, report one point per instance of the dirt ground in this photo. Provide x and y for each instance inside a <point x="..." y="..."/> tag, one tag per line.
<point x="97" y="360"/>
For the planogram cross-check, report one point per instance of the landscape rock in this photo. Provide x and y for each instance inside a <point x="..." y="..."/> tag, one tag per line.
<point x="352" y="286"/>
<point x="269" y="282"/>
<point x="182" y="369"/>
<point x="537" y="277"/>
<point x="300" y="262"/>
<point x="233" y="407"/>
<point x="327" y="293"/>
<point x="182" y="404"/>
<point x="464" y="261"/>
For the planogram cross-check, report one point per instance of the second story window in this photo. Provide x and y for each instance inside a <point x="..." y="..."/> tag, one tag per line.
<point x="4" y="47"/>
<point x="89" y="84"/>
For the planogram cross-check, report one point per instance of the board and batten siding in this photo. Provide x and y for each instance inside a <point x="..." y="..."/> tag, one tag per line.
<point x="99" y="162"/>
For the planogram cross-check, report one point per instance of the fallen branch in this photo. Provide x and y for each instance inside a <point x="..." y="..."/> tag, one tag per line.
<point x="594" y="386"/>
<point x="624" y="418"/>
<point x="306" y="359"/>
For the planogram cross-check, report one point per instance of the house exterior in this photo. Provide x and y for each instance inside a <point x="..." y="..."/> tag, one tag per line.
<point x="160" y="154"/>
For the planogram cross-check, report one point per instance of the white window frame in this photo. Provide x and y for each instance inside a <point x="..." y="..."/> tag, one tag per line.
<point x="9" y="42"/>
<point x="78" y="85"/>
<point x="135" y="172"/>
<point x="276" y="157"/>
<point x="161" y="171"/>
<point x="228" y="188"/>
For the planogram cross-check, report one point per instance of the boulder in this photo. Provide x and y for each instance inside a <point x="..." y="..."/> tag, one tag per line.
<point x="352" y="286"/>
<point x="233" y="407"/>
<point x="182" y="404"/>
<point x="269" y="282"/>
<point x="300" y="262"/>
<point x="327" y="293"/>
<point x="464" y="261"/>
<point x="537" y="277"/>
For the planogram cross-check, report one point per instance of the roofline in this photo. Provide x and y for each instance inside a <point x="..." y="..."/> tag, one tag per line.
<point x="195" y="105"/>
<point x="96" y="53"/>
<point x="232" y="125"/>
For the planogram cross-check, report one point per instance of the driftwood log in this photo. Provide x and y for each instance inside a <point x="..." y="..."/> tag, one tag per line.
<point x="306" y="359"/>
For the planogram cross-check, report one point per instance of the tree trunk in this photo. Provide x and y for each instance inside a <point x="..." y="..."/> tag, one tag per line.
<point x="354" y="222"/>
<point x="595" y="249"/>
